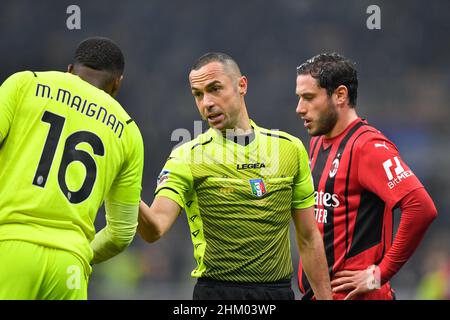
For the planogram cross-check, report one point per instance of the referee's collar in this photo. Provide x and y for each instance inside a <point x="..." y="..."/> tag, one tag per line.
<point x="243" y="140"/>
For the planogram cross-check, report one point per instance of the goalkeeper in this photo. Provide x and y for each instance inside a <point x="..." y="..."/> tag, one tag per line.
<point x="67" y="147"/>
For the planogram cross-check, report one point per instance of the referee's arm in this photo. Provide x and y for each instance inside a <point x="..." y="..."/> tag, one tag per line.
<point x="156" y="220"/>
<point x="312" y="252"/>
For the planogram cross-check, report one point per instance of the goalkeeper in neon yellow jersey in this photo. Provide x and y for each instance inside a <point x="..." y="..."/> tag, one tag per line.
<point x="240" y="185"/>
<point x="67" y="147"/>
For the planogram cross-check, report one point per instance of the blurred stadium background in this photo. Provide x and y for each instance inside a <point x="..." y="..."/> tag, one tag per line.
<point x="404" y="74"/>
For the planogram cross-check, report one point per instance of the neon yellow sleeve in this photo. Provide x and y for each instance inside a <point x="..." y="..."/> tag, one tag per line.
<point x="303" y="195"/>
<point x="175" y="180"/>
<point x="122" y="203"/>
<point x="121" y="223"/>
<point x="127" y="186"/>
<point x="9" y="97"/>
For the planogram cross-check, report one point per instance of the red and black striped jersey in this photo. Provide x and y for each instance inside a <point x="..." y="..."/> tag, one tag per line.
<point x="359" y="177"/>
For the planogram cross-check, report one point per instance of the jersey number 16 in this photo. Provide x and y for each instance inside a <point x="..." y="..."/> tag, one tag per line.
<point x="70" y="154"/>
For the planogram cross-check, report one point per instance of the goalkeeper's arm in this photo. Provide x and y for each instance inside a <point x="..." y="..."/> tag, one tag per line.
<point x="121" y="223"/>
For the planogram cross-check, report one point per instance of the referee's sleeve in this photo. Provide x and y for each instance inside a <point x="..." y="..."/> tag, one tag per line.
<point x="175" y="180"/>
<point x="303" y="193"/>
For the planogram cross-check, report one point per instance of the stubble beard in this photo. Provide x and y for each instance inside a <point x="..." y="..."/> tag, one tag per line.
<point x="326" y="122"/>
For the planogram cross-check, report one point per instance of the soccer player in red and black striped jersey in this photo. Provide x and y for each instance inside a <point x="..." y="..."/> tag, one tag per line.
<point x="359" y="178"/>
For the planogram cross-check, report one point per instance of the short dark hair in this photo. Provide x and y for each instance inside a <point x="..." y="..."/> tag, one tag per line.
<point x="221" y="57"/>
<point x="332" y="70"/>
<point x="100" y="53"/>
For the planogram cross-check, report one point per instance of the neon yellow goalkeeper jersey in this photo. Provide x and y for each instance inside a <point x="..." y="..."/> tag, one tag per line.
<point x="66" y="146"/>
<point x="238" y="199"/>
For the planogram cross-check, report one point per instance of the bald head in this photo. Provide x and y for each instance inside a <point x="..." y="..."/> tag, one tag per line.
<point x="230" y="67"/>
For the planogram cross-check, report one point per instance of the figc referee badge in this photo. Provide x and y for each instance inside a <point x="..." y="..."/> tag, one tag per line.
<point x="258" y="187"/>
<point x="163" y="177"/>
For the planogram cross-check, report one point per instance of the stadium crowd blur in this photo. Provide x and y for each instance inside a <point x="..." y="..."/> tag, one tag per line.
<point x="404" y="81"/>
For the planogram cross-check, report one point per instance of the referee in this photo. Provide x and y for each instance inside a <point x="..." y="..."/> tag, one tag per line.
<point x="240" y="185"/>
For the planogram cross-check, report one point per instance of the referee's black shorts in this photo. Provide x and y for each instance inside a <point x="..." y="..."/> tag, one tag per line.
<point x="208" y="289"/>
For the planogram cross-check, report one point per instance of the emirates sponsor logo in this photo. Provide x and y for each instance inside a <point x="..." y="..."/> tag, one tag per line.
<point x="324" y="202"/>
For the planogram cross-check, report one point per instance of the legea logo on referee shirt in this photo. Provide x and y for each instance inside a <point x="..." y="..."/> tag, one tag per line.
<point x="258" y="187"/>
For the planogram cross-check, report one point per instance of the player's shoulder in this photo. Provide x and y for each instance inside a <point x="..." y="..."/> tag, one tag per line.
<point x="40" y="75"/>
<point x="132" y="130"/>
<point x="49" y="76"/>
<point x="372" y="139"/>
<point x="21" y="77"/>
